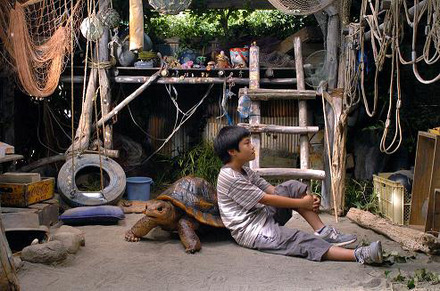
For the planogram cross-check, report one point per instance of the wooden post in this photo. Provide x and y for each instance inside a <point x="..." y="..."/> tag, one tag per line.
<point x="8" y="277"/>
<point x="304" y="138"/>
<point x="104" y="80"/>
<point x="255" y="114"/>
<point x="82" y="136"/>
<point x="331" y="66"/>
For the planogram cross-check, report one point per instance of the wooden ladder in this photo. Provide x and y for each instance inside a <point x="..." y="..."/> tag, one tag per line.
<point x="256" y="94"/>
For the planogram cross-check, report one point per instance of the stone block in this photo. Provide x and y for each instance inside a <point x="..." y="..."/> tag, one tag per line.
<point x="47" y="253"/>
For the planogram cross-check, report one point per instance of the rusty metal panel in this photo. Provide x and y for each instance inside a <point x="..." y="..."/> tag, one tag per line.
<point x="23" y="195"/>
<point x="280" y="112"/>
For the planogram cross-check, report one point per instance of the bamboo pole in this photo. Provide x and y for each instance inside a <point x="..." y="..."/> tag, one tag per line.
<point x="127" y="100"/>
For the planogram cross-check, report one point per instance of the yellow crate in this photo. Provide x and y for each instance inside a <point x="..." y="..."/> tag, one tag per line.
<point x="394" y="201"/>
<point x="25" y="194"/>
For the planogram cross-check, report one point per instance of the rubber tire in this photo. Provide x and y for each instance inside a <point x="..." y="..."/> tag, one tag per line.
<point x="112" y="192"/>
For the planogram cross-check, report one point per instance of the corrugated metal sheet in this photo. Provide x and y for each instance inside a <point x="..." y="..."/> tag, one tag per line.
<point x="279" y="112"/>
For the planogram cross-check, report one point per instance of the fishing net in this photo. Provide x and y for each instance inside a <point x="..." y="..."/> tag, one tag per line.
<point x="36" y="37"/>
<point x="300" y="7"/>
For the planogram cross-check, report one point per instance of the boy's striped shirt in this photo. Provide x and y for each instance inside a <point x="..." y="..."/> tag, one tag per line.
<point x="238" y="196"/>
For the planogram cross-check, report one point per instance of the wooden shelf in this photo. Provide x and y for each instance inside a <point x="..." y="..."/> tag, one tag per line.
<point x="10" y="158"/>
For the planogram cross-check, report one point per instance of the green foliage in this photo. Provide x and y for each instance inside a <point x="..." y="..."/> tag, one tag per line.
<point x="394" y="257"/>
<point x="315" y="187"/>
<point x="420" y="276"/>
<point x="196" y="28"/>
<point x="360" y="194"/>
<point x="201" y="161"/>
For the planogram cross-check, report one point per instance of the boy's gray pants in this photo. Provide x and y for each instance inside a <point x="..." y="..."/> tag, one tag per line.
<point x="281" y="240"/>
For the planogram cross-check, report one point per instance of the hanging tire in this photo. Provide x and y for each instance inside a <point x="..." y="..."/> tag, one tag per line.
<point x="111" y="193"/>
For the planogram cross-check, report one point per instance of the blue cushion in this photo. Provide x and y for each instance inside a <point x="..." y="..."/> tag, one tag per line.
<point x="104" y="214"/>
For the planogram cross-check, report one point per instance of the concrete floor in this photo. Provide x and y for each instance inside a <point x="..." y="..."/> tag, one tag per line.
<point x="158" y="262"/>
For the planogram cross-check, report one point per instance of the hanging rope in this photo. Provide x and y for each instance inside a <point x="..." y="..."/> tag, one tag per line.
<point x="385" y="44"/>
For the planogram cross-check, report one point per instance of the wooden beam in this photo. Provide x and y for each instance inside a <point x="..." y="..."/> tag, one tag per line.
<point x="291" y="173"/>
<point x="10" y="158"/>
<point x="268" y="128"/>
<point x="233" y="4"/>
<point x="307" y="34"/>
<point x="187" y="80"/>
<point x="278" y="94"/>
<point x="127" y="100"/>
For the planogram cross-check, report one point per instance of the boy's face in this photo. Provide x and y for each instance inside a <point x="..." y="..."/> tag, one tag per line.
<point x="246" y="151"/>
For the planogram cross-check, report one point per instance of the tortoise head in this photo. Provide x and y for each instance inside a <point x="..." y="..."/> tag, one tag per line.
<point x="160" y="210"/>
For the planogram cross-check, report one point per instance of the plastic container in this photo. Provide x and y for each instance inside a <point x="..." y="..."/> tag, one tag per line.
<point x="394" y="201"/>
<point x="138" y="188"/>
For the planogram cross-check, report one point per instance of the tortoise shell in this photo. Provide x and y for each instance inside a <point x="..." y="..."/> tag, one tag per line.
<point x="196" y="197"/>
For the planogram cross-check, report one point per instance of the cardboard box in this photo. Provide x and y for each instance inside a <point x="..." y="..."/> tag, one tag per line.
<point x="25" y="194"/>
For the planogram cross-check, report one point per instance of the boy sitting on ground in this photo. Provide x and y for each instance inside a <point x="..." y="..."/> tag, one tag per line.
<point x="255" y="211"/>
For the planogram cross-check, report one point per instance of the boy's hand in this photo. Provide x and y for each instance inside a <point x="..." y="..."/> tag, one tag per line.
<point x="316" y="203"/>
<point x="308" y="202"/>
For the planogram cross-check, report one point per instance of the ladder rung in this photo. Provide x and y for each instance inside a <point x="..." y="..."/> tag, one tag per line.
<point x="291" y="172"/>
<point x="278" y="94"/>
<point x="255" y="128"/>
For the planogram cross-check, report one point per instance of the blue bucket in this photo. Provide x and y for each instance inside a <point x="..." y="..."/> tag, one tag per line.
<point x="138" y="188"/>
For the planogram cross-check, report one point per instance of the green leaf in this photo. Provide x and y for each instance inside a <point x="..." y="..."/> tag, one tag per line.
<point x="410" y="284"/>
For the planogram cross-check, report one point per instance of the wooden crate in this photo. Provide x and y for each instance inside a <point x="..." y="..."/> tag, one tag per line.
<point x="426" y="180"/>
<point x="25" y="194"/>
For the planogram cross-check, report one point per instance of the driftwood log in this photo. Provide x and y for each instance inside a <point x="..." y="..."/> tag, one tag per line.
<point x="409" y="238"/>
<point x="8" y="277"/>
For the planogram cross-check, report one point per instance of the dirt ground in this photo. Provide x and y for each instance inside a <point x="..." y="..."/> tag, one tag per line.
<point x="158" y="262"/>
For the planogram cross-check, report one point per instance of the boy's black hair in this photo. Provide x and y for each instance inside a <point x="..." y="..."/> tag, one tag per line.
<point x="228" y="138"/>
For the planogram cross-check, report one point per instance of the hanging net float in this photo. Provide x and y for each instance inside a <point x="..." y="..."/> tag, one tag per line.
<point x="172" y="7"/>
<point x="110" y="18"/>
<point x="92" y="28"/>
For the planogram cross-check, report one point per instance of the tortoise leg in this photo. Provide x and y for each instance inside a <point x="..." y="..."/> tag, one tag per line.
<point x="186" y="228"/>
<point x="140" y="228"/>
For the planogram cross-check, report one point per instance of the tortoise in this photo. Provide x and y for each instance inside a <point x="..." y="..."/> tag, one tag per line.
<point x="186" y="204"/>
